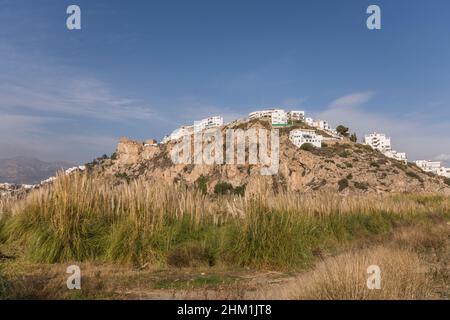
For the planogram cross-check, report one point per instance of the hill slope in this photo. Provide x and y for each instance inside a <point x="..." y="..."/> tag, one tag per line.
<point x="341" y="166"/>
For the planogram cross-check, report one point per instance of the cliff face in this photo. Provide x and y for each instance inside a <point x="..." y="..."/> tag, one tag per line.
<point x="340" y="166"/>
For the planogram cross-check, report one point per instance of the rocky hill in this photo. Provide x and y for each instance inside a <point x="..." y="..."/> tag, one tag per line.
<point x="24" y="170"/>
<point x="339" y="166"/>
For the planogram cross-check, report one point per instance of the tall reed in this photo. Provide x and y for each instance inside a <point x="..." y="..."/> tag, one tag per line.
<point x="82" y="218"/>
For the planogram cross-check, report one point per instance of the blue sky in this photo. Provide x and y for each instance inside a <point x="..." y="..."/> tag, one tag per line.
<point x="141" y="68"/>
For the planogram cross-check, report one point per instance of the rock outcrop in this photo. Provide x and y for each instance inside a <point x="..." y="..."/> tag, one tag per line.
<point x="340" y="166"/>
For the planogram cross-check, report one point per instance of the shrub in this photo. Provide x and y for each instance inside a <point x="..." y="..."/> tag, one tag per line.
<point x="361" y="185"/>
<point x="447" y="181"/>
<point x="344" y="154"/>
<point x="223" y="188"/>
<point x="353" y="137"/>
<point x="414" y="175"/>
<point x="343" y="184"/>
<point x="342" y="130"/>
<point x="307" y="147"/>
<point x="202" y="184"/>
<point x="374" y="164"/>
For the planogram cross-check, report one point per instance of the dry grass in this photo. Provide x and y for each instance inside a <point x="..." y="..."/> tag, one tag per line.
<point x="403" y="276"/>
<point x="80" y="218"/>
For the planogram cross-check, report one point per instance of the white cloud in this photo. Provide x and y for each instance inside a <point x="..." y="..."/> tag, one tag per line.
<point x="420" y="137"/>
<point x="352" y="100"/>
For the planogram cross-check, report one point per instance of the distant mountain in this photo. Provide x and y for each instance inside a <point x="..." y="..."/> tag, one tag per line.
<point x="24" y="170"/>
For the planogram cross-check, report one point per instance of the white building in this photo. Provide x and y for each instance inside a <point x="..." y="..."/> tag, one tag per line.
<point x="321" y="124"/>
<point x="429" y="166"/>
<point x="262" y="114"/>
<point x="433" y="167"/>
<point x="400" y="156"/>
<point x="378" y="141"/>
<point x="300" y="137"/>
<point x="208" y="123"/>
<point x="178" y="133"/>
<point x="278" y="117"/>
<point x="296" y="115"/>
<point x="445" y="172"/>
<point x="309" y="121"/>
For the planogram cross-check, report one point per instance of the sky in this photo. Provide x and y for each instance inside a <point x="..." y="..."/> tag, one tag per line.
<point x="142" y="68"/>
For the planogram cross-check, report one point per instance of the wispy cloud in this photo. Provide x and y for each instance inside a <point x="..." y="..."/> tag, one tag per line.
<point x="352" y="100"/>
<point x="421" y="137"/>
<point x="35" y="84"/>
<point x="44" y="106"/>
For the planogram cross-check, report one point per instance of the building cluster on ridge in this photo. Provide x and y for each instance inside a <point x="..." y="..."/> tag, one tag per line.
<point x="433" y="167"/>
<point x="380" y="142"/>
<point x="281" y="118"/>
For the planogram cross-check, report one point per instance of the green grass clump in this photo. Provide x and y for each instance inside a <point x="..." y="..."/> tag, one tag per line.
<point x="83" y="219"/>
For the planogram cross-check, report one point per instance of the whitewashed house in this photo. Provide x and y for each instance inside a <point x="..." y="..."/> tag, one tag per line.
<point x="278" y="117"/>
<point x="296" y="115"/>
<point x="322" y="125"/>
<point x="208" y="123"/>
<point x="262" y="114"/>
<point x="309" y="121"/>
<point x="300" y="137"/>
<point x="400" y="156"/>
<point x="433" y="167"/>
<point x="178" y="133"/>
<point x="380" y="142"/>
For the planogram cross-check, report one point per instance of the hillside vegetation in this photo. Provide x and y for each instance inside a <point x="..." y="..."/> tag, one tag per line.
<point x="140" y="224"/>
<point x="344" y="166"/>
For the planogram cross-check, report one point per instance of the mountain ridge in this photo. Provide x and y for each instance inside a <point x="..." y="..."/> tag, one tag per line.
<point x="29" y="170"/>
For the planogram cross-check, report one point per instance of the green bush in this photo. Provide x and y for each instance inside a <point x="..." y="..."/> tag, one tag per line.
<point x="202" y="184"/>
<point x="447" y="181"/>
<point x="414" y="175"/>
<point x="374" y="164"/>
<point x="361" y="185"/>
<point x="223" y="188"/>
<point x="342" y="130"/>
<point x="343" y="184"/>
<point x="307" y="147"/>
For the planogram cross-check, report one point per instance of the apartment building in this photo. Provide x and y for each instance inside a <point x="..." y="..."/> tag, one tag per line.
<point x="322" y="125"/>
<point x="296" y="115"/>
<point x="400" y="156"/>
<point x="378" y="141"/>
<point x="433" y="167"/>
<point x="262" y="114"/>
<point x="178" y="133"/>
<point x="278" y="117"/>
<point x="300" y="137"/>
<point x="208" y="123"/>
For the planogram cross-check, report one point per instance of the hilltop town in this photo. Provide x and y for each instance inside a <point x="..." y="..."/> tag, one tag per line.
<point x="280" y="118"/>
<point x="307" y="138"/>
